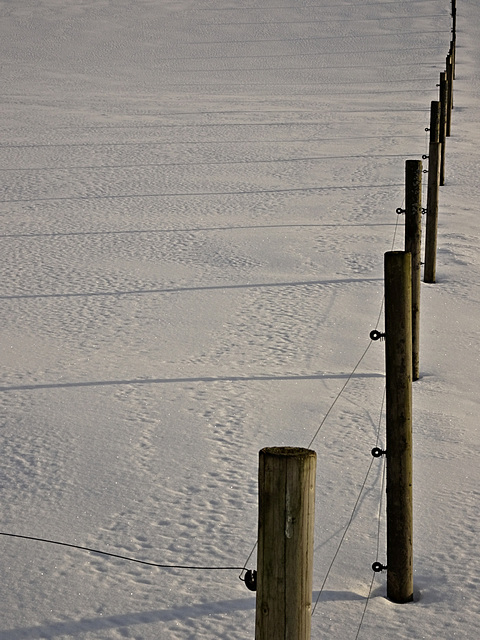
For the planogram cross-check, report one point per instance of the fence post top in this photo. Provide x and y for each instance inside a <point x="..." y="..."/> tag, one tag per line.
<point x="288" y="452"/>
<point x="396" y="253"/>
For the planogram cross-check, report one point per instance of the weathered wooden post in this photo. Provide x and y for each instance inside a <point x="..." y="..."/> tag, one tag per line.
<point x="432" y="194"/>
<point x="453" y="54"/>
<point x="449" y="72"/>
<point x="454" y="19"/>
<point x="285" y="543"/>
<point x="398" y="357"/>
<point x="413" y="240"/>
<point x="443" y="123"/>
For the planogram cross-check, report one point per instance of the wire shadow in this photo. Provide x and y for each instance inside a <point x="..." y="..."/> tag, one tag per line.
<point x="256" y="227"/>
<point x="193" y="194"/>
<point x="92" y="625"/>
<point x="137" y="292"/>
<point x="139" y="381"/>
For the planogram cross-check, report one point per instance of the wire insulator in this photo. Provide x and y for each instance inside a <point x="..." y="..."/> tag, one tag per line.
<point x="251" y="580"/>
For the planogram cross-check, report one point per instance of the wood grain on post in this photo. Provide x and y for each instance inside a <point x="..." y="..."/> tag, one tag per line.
<point x="398" y="356"/>
<point x="413" y="242"/>
<point x="285" y="543"/>
<point x="429" y="272"/>
<point x="443" y="122"/>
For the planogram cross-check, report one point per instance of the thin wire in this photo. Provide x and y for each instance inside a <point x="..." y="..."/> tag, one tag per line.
<point x="344" y="534"/>
<point x="377" y="554"/>
<point x="339" y="394"/>
<point x="324" y="420"/>
<point x="246" y="561"/>
<point x="331" y="408"/>
<point x="396" y="223"/>
<point x="353" y="512"/>
<point x="116" y="555"/>
<point x="366" y="605"/>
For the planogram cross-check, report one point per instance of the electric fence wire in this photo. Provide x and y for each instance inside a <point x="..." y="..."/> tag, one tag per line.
<point x="377" y="554"/>
<point x="337" y="397"/>
<point x="353" y="512"/>
<point x="427" y="129"/>
<point x="371" y="463"/>
<point x="116" y="555"/>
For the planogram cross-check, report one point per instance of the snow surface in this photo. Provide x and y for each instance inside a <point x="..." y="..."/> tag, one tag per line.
<point x="196" y="200"/>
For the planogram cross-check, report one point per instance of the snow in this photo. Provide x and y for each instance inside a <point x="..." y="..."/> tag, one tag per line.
<point x="196" y="201"/>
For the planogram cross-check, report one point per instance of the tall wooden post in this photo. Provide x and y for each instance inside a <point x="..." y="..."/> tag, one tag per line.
<point x="398" y="354"/>
<point x="453" y="53"/>
<point x="413" y="240"/>
<point x="285" y="543"/>
<point x="454" y="19"/>
<point x="434" y="152"/>
<point x="449" y="72"/>
<point x="443" y="122"/>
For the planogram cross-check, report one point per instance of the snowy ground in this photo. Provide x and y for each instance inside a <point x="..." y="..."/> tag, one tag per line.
<point x="196" y="200"/>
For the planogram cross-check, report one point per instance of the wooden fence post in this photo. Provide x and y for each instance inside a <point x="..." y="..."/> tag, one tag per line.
<point x="449" y="72"/>
<point x="454" y="19"/>
<point x="432" y="194"/>
<point x="413" y="240"/>
<point x="285" y="543"/>
<point x="398" y="356"/>
<point x="443" y="122"/>
<point x="453" y="54"/>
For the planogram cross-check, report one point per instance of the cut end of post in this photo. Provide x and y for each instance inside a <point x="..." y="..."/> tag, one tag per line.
<point x="293" y="452"/>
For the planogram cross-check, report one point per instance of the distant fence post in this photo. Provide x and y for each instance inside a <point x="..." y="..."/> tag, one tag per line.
<point x="453" y="54"/>
<point x="454" y="19"/>
<point x="398" y="356"/>
<point x="413" y="240"/>
<point x="449" y="72"/>
<point x="285" y="543"/>
<point x="429" y="272"/>
<point x="443" y="122"/>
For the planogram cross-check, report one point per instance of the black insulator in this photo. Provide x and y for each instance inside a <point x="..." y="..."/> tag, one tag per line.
<point x="251" y="580"/>
<point x="376" y="335"/>
<point x="377" y="452"/>
<point x="378" y="566"/>
<point x="400" y="210"/>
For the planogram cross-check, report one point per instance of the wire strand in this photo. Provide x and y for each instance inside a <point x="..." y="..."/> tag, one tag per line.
<point x="116" y="555"/>
<point x="338" y="395"/>
<point x="377" y="554"/>
<point x="354" y="509"/>
<point x="344" y="534"/>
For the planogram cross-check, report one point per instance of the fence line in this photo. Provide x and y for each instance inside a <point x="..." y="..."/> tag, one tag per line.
<point x="446" y="96"/>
